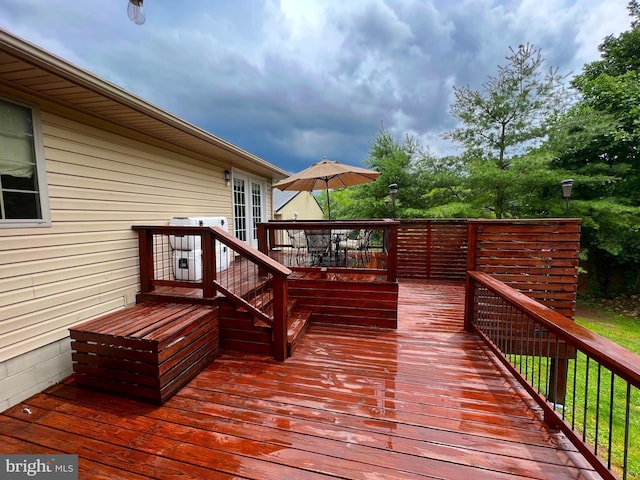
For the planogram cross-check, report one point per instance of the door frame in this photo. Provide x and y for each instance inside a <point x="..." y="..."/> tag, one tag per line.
<point x="250" y="220"/>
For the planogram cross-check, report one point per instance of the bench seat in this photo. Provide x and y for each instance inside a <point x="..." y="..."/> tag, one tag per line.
<point x="146" y="351"/>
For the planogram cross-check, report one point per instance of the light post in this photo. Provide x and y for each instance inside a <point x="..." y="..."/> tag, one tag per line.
<point x="566" y="185"/>
<point x="393" y="193"/>
<point x="386" y="205"/>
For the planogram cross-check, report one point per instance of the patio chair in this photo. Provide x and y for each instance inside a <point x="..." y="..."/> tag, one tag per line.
<point x="298" y="241"/>
<point x="318" y="245"/>
<point x="359" y="244"/>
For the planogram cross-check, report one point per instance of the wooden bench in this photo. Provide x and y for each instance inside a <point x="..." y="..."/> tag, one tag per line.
<point x="147" y="351"/>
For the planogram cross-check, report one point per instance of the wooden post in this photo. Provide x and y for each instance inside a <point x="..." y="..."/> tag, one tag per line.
<point x="429" y="231"/>
<point x="263" y="245"/>
<point x="557" y="386"/>
<point x="145" y="252"/>
<point x="280" y="318"/>
<point x="392" y="254"/>
<point x="208" y="262"/>
<point x="469" y="294"/>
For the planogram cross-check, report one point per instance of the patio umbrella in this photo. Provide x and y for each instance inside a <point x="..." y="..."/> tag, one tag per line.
<point x="327" y="174"/>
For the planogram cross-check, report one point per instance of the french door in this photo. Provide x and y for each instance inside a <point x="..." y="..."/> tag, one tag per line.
<point x="249" y="207"/>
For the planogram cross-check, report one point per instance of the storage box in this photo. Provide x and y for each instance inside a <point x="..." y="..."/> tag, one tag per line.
<point x="145" y="351"/>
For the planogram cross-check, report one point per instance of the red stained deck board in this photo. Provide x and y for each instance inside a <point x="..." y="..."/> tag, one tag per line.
<point x="424" y="401"/>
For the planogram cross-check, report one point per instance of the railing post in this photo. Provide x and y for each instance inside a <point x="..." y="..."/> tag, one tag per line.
<point x="145" y="252"/>
<point x="469" y="303"/>
<point x="429" y="240"/>
<point x="208" y="263"/>
<point x="280" y="317"/>
<point x="392" y="254"/>
<point x="263" y="245"/>
<point x="469" y="294"/>
<point x="472" y="235"/>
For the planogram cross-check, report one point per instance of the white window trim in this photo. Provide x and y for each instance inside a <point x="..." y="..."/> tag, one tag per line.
<point x="41" y="173"/>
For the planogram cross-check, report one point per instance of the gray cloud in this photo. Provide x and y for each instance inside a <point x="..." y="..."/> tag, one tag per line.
<point x="294" y="81"/>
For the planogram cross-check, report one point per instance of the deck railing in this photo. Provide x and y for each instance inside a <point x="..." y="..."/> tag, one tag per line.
<point x="586" y="385"/>
<point x="434" y="249"/>
<point x="210" y="260"/>
<point x="344" y="246"/>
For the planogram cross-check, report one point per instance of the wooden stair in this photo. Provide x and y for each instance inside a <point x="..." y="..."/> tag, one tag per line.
<point x="297" y="324"/>
<point x="298" y="318"/>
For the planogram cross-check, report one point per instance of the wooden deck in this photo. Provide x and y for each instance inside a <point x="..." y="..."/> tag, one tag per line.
<point x="423" y="401"/>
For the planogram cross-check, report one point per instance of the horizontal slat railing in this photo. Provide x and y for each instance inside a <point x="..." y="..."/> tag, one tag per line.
<point x="587" y="385"/>
<point x="536" y="256"/>
<point x="434" y="249"/>
<point x="244" y="275"/>
<point x="343" y="246"/>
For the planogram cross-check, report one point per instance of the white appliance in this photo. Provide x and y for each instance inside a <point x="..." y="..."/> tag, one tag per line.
<point x="187" y="254"/>
<point x="187" y="265"/>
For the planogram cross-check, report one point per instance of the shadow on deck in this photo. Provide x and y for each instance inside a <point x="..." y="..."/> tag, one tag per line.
<point x="423" y="401"/>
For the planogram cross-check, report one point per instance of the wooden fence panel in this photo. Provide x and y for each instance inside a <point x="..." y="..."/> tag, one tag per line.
<point x="432" y="249"/>
<point x="537" y="257"/>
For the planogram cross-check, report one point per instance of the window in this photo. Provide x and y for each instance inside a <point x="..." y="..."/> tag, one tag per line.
<point x="23" y="199"/>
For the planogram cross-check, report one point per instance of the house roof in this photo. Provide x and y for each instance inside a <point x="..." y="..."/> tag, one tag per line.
<point x="35" y="72"/>
<point x="281" y="198"/>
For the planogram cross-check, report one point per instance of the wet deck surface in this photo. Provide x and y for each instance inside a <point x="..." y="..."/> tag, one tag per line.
<point x="423" y="401"/>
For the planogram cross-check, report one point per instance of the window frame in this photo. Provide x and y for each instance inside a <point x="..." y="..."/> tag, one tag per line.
<point x="40" y="166"/>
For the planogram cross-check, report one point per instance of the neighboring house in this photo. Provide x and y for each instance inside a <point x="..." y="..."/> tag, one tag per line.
<point x="81" y="161"/>
<point x="290" y="205"/>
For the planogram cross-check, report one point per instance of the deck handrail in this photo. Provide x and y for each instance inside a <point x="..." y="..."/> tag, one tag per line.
<point x="276" y="314"/>
<point x="522" y="331"/>
<point x="268" y="240"/>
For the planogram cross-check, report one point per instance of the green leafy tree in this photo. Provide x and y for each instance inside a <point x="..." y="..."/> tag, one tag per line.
<point x="396" y="161"/>
<point x="502" y="127"/>
<point x="597" y="140"/>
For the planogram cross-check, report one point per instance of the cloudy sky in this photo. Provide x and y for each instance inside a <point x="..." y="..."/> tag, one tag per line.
<point x="293" y="81"/>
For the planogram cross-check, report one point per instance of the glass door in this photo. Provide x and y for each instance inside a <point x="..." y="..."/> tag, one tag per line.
<point x="248" y="207"/>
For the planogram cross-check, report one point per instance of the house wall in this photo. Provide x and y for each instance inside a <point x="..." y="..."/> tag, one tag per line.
<point x="86" y="263"/>
<point x="305" y="205"/>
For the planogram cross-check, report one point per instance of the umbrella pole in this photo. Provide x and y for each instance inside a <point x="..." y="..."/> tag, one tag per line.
<point x="328" y="202"/>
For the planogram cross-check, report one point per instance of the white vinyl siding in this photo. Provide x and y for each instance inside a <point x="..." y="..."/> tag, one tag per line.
<point x="86" y="263"/>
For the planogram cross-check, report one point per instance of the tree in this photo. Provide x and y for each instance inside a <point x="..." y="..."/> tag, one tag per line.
<point x="597" y="140"/>
<point x="505" y="122"/>
<point x="396" y="163"/>
<point x="610" y="106"/>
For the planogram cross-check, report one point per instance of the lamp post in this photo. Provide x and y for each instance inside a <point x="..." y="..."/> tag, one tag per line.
<point x="566" y="185"/>
<point x="393" y="193"/>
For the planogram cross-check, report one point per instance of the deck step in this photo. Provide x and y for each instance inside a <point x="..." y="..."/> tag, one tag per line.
<point x="298" y="323"/>
<point x="297" y="318"/>
<point x="291" y="306"/>
<point x="262" y="301"/>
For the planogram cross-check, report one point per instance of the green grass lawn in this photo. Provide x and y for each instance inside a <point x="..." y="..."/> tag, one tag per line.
<point x="624" y="331"/>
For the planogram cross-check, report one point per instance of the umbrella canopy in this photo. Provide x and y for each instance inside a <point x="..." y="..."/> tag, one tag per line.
<point x="327" y="174"/>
